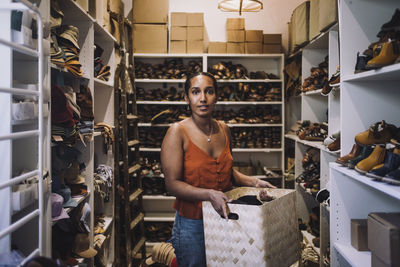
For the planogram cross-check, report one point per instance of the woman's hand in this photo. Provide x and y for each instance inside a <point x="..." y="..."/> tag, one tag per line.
<point x="218" y="200"/>
<point x="263" y="184"/>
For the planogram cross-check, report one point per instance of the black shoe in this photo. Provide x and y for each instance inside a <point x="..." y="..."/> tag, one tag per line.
<point x="394" y="23"/>
<point x="361" y="62"/>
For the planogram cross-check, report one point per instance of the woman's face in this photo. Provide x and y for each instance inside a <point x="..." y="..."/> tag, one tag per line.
<point x="201" y="96"/>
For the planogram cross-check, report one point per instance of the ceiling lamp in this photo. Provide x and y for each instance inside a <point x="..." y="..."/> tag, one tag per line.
<point x="240" y="5"/>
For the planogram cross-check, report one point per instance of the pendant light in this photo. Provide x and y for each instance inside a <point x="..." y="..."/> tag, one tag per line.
<point x="240" y="5"/>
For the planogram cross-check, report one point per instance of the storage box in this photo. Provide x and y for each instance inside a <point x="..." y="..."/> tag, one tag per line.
<point x="235" y="48"/>
<point x="150" y="11"/>
<point x="236" y="36"/>
<point x="254" y="36"/>
<point x="300" y="20"/>
<point x="253" y="48"/>
<point x="272" y="38"/>
<point x="195" y="33"/>
<point x="235" y="24"/>
<point x="359" y="234"/>
<point x="150" y="38"/>
<point x="217" y="48"/>
<point x="178" y="19"/>
<point x="265" y="235"/>
<point x="384" y="237"/>
<point x="194" y="47"/>
<point x="178" y="33"/>
<point x="272" y="49"/>
<point x="177" y="47"/>
<point x="328" y="14"/>
<point x="24" y="195"/>
<point x="314" y="18"/>
<point x="195" y="19"/>
<point x="115" y="6"/>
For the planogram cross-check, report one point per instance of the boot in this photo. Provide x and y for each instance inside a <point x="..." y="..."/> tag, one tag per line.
<point x="378" y="133"/>
<point x="385" y="57"/>
<point x="394" y="23"/>
<point x="355" y="152"/>
<point x="377" y="157"/>
<point x="393" y="177"/>
<point x="365" y="152"/>
<point x="392" y="162"/>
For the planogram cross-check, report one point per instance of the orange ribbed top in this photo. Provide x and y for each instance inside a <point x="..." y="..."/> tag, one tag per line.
<point x="201" y="170"/>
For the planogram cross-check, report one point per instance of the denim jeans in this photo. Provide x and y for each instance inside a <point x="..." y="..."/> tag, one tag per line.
<point x="188" y="242"/>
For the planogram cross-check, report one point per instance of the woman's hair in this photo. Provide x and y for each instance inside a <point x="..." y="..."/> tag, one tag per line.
<point x="189" y="79"/>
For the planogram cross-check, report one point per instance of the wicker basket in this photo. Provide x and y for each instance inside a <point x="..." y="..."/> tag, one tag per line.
<point x="265" y="235"/>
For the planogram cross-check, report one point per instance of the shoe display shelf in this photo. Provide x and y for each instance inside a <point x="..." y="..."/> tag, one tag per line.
<point x="316" y="108"/>
<point x="366" y="98"/>
<point x="159" y="208"/>
<point x="25" y="144"/>
<point x="92" y="150"/>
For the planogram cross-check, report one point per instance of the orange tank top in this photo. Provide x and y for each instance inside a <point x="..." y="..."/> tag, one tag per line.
<point x="201" y="170"/>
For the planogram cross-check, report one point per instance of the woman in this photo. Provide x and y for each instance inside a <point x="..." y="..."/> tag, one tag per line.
<point x="197" y="164"/>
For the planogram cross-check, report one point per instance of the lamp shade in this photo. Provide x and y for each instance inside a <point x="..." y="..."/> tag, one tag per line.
<point x="240" y="5"/>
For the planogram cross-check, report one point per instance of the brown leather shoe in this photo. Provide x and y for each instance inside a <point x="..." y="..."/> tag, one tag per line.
<point x="378" y="133"/>
<point x="335" y="145"/>
<point x="377" y="157"/>
<point x="355" y="152"/>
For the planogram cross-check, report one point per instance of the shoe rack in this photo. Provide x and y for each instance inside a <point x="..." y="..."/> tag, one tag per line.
<point x="24" y="143"/>
<point x="316" y="108"/>
<point x="158" y="208"/>
<point x="366" y="98"/>
<point x="92" y="151"/>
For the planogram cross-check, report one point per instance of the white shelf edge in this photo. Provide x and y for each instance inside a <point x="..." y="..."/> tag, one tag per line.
<point x="98" y="28"/>
<point x="313" y="92"/>
<point x="250" y="80"/>
<point x="353" y="256"/>
<point x="159" y="217"/>
<point x="102" y="83"/>
<point x="372" y="74"/>
<point x="155" y="55"/>
<point x="309" y="237"/>
<point x="84" y="12"/>
<point x="107" y="222"/>
<point x="158" y="197"/>
<point x="391" y="190"/>
<point x="315" y="144"/>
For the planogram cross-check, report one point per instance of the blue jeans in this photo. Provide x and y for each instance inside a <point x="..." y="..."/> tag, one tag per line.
<point x="188" y="242"/>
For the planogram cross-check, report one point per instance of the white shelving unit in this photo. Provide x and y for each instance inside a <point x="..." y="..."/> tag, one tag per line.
<point x="315" y="107"/>
<point x="365" y="98"/>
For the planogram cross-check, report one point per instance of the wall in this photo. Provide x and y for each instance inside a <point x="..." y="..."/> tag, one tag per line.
<point x="272" y="19"/>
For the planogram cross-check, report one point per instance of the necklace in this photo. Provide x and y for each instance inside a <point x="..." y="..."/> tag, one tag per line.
<point x="209" y="137"/>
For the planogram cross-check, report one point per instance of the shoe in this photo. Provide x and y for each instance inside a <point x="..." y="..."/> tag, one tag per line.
<point x="394" y="23"/>
<point x="386" y="56"/>
<point x="330" y="139"/>
<point x="377" y="157"/>
<point x="362" y="61"/>
<point x="392" y="177"/>
<point x="365" y="152"/>
<point x="378" y="133"/>
<point x="355" y="152"/>
<point x="396" y="138"/>
<point x="322" y="195"/>
<point x="392" y="162"/>
<point x="335" y="145"/>
<point x="335" y="79"/>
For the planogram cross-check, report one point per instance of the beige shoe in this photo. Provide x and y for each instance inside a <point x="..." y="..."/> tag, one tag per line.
<point x="377" y="157"/>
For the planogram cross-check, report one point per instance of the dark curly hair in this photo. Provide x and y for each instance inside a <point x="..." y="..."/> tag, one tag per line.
<point x="189" y="78"/>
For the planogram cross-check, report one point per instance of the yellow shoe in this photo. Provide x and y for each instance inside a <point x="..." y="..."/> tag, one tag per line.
<point x="385" y="55"/>
<point x="377" y="157"/>
<point x="378" y="133"/>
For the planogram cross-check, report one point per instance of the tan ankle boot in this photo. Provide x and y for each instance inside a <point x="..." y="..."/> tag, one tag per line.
<point x="377" y="157"/>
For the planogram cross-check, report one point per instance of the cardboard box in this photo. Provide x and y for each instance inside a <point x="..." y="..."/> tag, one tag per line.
<point x="235" y="24"/>
<point x="177" y="47"/>
<point x="150" y="38"/>
<point x="359" y="234"/>
<point x="253" y="48"/>
<point x="217" y="48"/>
<point x="272" y="49"/>
<point x="264" y="235"/>
<point x="272" y="38"/>
<point x="178" y="33"/>
<point x="178" y="19"/>
<point x="384" y="237"/>
<point x="195" y="19"/>
<point x="115" y="6"/>
<point x="300" y="23"/>
<point x="150" y="11"/>
<point x="235" y="48"/>
<point x="236" y="36"/>
<point x="194" y="46"/>
<point x="24" y="195"/>
<point x="253" y="36"/>
<point x="195" y="33"/>
<point x="328" y="14"/>
<point x="314" y="18"/>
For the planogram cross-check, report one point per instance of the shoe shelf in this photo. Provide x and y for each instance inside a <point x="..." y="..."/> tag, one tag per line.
<point x="102" y="33"/>
<point x="388" y="73"/>
<point x="388" y="189"/>
<point x="78" y="199"/>
<point x="160" y="80"/>
<point x="107" y="223"/>
<point x="66" y="72"/>
<point x="315" y="144"/>
<point x="353" y="256"/>
<point x="159" y="217"/>
<point x="138" y="246"/>
<point x="250" y="81"/>
<point x="314" y="92"/>
<point x="309" y="237"/>
<point x="158" y="197"/>
<point x="103" y="84"/>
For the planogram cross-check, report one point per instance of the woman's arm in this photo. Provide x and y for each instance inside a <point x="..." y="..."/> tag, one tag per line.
<point x="240" y="178"/>
<point x="172" y="155"/>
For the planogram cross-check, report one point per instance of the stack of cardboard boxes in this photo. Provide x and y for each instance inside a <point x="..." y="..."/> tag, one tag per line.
<point x="254" y="42"/>
<point x="150" y="29"/>
<point x="235" y="35"/>
<point x="187" y="33"/>
<point x="272" y="43"/>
